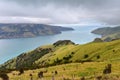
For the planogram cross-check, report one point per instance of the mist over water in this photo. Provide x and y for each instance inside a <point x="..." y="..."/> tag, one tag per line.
<point x="10" y="48"/>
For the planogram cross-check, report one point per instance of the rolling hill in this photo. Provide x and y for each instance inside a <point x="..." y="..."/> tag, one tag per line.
<point x="62" y="52"/>
<point x="27" y="30"/>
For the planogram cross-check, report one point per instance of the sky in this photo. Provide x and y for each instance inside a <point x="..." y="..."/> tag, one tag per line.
<point x="60" y="11"/>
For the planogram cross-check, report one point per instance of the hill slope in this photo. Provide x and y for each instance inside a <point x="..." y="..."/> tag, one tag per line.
<point x="28" y="30"/>
<point x="72" y="71"/>
<point x="108" y="33"/>
<point x="67" y="52"/>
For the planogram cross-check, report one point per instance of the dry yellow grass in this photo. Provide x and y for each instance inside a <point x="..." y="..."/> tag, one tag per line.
<point x="68" y="71"/>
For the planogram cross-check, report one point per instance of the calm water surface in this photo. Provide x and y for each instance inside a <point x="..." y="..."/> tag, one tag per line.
<point x="10" y="48"/>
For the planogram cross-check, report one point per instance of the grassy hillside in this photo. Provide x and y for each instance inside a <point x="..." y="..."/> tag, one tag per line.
<point x="66" y="53"/>
<point x="27" y="60"/>
<point x="73" y="71"/>
<point x="87" y="60"/>
<point x="102" y="51"/>
<point x="112" y="37"/>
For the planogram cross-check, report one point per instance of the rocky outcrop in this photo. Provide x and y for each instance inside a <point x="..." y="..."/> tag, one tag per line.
<point x="63" y="42"/>
<point x="98" y="40"/>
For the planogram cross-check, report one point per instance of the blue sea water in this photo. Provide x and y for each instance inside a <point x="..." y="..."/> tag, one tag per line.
<point x="10" y="48"/>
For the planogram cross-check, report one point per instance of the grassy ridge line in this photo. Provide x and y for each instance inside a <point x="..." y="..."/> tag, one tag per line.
<point x="105" y="51"/>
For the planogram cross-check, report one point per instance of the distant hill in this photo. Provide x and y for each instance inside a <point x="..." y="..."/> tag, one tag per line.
<point x="14" y="30"/>
<point x="65" y="51"/>
<point x="108" y="33"/>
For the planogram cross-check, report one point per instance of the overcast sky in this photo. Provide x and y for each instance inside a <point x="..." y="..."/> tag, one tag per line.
<point x="60" y="11"/>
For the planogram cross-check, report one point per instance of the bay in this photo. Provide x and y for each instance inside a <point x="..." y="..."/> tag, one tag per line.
<point x="10" y="48"/>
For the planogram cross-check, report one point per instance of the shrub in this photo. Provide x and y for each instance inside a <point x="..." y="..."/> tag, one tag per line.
<point x="99" y="77"/>
<point x="72" y="53"/>
<point x="107" y="69"/>
<point x="83" y="78"/>
<point x="40" y="74"/>
<point x="21" y="71"/>
<point x="57" y="61"/>
<point x="67" y="57"/>
<point x="86" y="56"/>
<point x="4" y="76"/>
<point x="113" y="50"/>
<point x="98" y="57"/>
<point x="56" y="72"/>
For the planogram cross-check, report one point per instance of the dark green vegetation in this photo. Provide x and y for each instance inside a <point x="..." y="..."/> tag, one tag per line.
<point x="28" y="30"/>
<point x="65" y="51"/>
<point x="108" y="33"/>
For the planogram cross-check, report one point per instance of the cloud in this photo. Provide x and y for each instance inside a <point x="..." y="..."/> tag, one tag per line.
<point x="24" y="20"/>
<point x="60" y="11"/>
